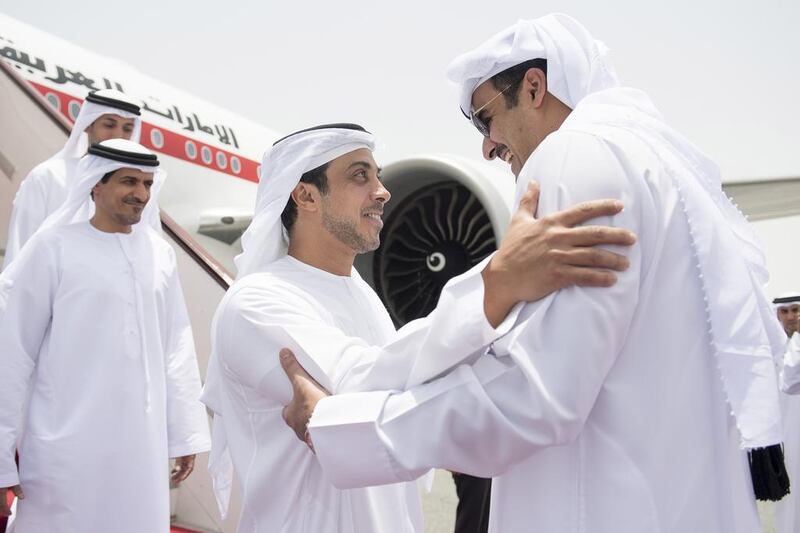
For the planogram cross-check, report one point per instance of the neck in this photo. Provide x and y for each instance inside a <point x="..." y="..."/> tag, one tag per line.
<point x="321" y="250"/>
<point x="108" y="225"/>
<point x="555" y="113"/>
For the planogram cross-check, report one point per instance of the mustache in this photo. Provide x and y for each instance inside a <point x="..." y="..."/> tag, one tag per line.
<point x="501" y="151"/>
<point x="377" y="208"/>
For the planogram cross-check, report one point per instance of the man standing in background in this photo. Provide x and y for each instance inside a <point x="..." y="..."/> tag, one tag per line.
<point x="787" y="308"/>
<point x="99" y="385"/>
<point x="105" y="114"/>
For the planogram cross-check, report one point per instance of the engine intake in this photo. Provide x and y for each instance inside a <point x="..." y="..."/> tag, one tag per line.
<point x="445" y="216"/>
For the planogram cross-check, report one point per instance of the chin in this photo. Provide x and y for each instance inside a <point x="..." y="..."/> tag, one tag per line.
<point x="370" y="246"/>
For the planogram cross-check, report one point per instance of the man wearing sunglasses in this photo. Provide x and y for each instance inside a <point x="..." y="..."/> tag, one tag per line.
<point x="650" y="406"/>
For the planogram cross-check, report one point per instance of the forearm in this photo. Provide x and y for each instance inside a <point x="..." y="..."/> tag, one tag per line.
<point x="187" y="422"/>
<point x="14" y="387"/>
<point x="378" y="438"/>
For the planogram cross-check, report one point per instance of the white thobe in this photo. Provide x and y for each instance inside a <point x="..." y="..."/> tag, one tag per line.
<point x="787" y="513"/>
<point x="42" y="191"/>
<point x="603" y="410"/>
<point x="341" y="332"/>
<point x="96" y="329"/>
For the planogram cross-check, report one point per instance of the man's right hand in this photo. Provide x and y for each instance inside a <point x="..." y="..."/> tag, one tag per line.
<point x="5" y="508"/>
<point x="540" y="256"/>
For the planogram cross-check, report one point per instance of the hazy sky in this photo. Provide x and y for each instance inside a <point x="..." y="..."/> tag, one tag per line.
<point x="726" y="73"/>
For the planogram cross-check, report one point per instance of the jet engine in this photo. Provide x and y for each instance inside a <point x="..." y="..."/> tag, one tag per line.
<point x="446" y="214"/>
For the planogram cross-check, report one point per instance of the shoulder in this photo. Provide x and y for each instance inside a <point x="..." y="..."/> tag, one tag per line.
<point x="43" y="178"/>
<point x="157" y="242"/>
<point x="60" y="234"/>
<point x="575" y="166"/>
<point x="48" y="170"/>
<point x="265" y="295"/>
<point x="261" y="286"/>
<point x="42" y="251"/>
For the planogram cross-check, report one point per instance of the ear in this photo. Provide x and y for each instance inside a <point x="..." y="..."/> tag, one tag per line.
<point x="535" y="85"/>
<point x="306" y="196"/>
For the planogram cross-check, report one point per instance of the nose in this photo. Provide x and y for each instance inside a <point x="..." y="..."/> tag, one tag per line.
<point x="489" y="149"/>
<point x="142" y="193"/>
<point x="382" y="194"/>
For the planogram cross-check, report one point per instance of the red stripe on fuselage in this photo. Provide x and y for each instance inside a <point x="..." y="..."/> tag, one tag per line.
<point x="174" y="145"/>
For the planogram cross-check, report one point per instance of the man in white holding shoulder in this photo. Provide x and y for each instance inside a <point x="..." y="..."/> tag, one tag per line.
<point x="319" y="204"/>
<point x="660" y="413"/>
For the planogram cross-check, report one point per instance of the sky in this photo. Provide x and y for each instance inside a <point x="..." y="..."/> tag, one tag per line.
<point x="725" y="73"/>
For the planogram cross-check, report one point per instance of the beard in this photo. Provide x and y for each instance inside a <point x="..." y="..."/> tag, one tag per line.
<point x="128" y="219"/>
<point x="346" y="231"/>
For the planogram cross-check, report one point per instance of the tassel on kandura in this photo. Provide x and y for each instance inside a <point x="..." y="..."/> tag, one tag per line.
<point x="768" y="471"/>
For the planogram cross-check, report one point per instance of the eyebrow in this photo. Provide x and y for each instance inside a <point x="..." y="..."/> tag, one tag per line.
<point x="363" y="164"/>
<point x="132" y="177"/>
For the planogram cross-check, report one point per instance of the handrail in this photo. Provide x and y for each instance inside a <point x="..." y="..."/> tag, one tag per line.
<point x="190" y="246"/>
<point x="196" y="251"/>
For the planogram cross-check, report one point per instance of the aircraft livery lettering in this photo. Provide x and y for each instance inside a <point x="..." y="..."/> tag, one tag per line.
<point x="166" y="141"/>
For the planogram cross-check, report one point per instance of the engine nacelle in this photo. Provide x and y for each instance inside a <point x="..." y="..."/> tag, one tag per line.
<point x="446" y="214"/>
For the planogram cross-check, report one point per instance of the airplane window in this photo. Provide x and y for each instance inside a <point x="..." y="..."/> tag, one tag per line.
<point x="157" y="138"/>
<point x="236" y="165"/>
<point x="205" y="155"/>
<point x="222" y="161"/>
<point x="53" y="100"/>
<point x="74" y="108"/>
<point x="191" y="150"/>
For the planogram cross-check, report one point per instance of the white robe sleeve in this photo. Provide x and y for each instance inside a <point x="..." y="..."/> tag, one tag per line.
<point x="534" y="391"/>
<point x="274" y="317"/>
<point x="23" y="327"/>
<point x="790" y="373"/>
<point x="28" y="213"/>
<point x="187" y="422"/>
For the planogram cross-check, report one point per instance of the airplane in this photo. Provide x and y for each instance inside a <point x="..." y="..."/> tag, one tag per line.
<point x="446" y="214"/>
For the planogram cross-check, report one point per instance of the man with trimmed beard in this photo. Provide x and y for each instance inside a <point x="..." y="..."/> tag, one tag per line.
<point x="99" y="385"/>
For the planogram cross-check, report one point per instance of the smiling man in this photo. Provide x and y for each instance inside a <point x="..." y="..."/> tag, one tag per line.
<point x="100" y="385"/>
<point x="648" y="406"/>
<point x="319" y="204"/>
<point x="104" y="115"/>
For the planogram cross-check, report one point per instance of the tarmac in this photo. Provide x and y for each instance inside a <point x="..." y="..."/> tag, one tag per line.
<point x="439" y="506"/>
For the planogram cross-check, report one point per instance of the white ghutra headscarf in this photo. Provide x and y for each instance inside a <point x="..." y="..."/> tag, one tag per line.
<point x="786" y="299"/>
<point x="97" y="104"/>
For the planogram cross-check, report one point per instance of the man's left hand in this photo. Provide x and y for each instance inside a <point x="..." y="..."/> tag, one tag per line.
<point x="183" y="467"/>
